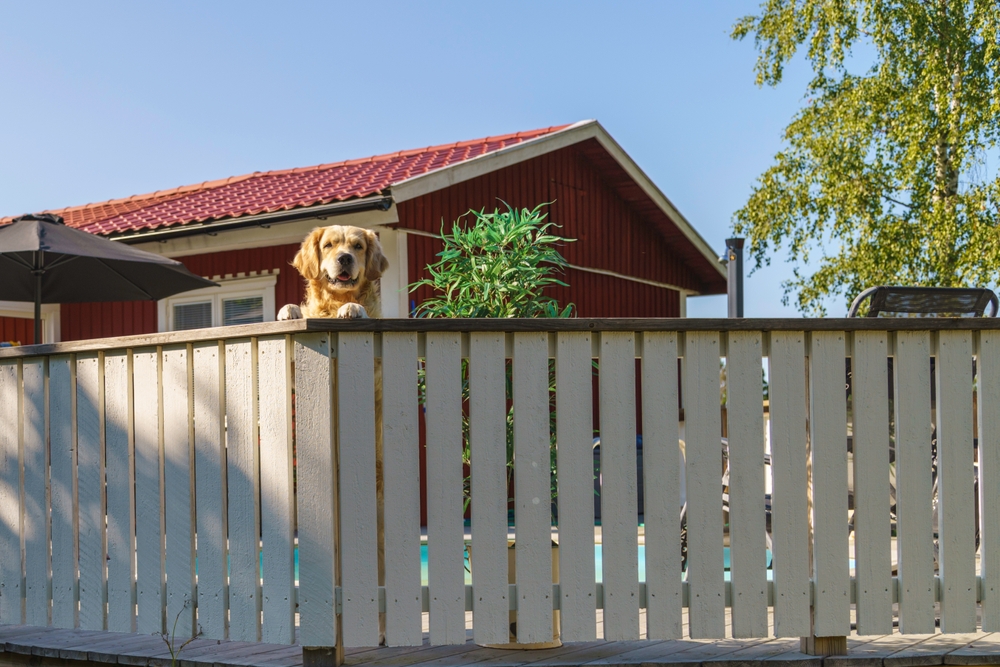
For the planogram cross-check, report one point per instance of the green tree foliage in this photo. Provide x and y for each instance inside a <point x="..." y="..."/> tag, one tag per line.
<point x="883" y="173"/>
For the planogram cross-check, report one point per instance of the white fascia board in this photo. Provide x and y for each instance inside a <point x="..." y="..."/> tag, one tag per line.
<point x="262" y="237"/>
<point x="574" y="134"/>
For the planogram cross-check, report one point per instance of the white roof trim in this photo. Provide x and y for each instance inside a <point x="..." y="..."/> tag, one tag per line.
<point x="442" y="178"/>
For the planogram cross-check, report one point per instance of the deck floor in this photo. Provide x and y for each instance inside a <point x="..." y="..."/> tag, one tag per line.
<point x="48" y="647"/>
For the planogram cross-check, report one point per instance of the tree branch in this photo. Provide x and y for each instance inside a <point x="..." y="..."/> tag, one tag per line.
<point x="896" y="201"/>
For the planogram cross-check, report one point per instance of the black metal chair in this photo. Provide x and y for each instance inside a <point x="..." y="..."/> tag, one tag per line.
<point x="900" y="301"/>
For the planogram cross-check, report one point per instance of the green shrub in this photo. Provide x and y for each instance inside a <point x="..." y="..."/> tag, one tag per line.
<point x="497" y="265"/>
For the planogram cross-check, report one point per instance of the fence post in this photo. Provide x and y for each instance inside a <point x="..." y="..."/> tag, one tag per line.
<point x="319" y="566"/>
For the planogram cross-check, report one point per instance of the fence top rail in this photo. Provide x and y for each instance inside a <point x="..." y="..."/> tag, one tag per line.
<point x="507" y="326"/>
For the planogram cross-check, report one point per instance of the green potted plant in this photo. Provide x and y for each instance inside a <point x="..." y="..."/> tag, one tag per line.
<point x="498" y="265"/>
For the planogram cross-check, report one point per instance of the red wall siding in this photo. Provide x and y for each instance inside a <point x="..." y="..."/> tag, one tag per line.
<point x="17" y="329"/>
<point x="123" y="318"/>
<point x="610" y="234"/>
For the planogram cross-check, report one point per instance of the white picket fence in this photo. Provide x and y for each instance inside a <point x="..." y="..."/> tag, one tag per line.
<point x="147" y="477"/>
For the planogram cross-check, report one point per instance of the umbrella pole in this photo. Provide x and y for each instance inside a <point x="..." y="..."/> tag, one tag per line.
<point x="38" y="271"/>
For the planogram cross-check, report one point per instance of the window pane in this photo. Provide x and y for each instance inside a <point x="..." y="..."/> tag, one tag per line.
<point x="192" y="316"/>
<point x="245" y="310"/>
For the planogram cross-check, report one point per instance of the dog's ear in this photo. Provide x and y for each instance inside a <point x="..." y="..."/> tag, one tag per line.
<point x="375" y="261"/>
<point x="307" y="259"/>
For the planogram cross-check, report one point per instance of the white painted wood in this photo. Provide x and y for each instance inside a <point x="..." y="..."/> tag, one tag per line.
<point x="90" y="490"/>
<point x="703" y="452"/>
<point x="988" y="389"/>
<point x="61" y="486"/>
<point x="488" y="446"/>
<point x="209" y="490"/>
<point x="148" y="537"/>
<point x="956" y="523"/>
<point x="575" y="467"/>
<point x="828" y="439"/>
<point x="532" y="487"/>
<point x="401" y="475"/>
<point x="242" y="485"/>
<point x="619" y="493"/>
<point x="914" y="510"/>
<point x="178" y="454"/>
<point x="10" y="495"/>
<point x="445" y="570"/>
<point x="789" y="507"/>
<point x="276" y="484"/>
<point x="661" y="469"/>
<point x="316" y="488"/>
<point x="120" y="493"/>
<point x="36" y="537"/>
<point x="358" y="503"/>
<point x="870" y="409"/>
<point x="747" y="525"/>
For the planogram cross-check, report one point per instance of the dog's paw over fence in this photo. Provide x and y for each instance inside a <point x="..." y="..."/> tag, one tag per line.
<point x="231" y="475"/>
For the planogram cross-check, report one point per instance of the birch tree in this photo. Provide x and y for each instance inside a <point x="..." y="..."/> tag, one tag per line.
<point x="888" y="174"/>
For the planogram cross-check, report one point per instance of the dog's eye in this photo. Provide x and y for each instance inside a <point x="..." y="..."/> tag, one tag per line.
<point x="327" y="246"/>
<point x="357" y="246"/>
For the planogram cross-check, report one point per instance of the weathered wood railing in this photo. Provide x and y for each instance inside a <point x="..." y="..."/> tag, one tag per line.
<point x="146" y="477"/>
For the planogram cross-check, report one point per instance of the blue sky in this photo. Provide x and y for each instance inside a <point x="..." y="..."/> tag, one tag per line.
<point x="109" y="99"/>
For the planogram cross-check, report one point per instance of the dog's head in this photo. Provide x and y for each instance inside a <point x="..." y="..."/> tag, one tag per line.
<point x="340" y="258"/>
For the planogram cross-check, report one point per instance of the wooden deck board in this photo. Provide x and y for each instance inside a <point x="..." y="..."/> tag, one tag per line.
<point x="874" y="652"/>
<point x="981" y="651"/>
<point x="416" y="655"/>
<point x="935" y="647"/>
<point x="50" y="647"/>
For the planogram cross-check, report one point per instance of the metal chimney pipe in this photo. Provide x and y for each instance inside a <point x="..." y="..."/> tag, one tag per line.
<point x="734" y="263"/>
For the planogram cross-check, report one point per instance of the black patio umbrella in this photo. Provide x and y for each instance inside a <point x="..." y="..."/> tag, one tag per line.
<point x="43" y="260"/>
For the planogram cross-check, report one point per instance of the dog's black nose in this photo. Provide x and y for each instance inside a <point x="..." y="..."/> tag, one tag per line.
<point x="346" y="259"/>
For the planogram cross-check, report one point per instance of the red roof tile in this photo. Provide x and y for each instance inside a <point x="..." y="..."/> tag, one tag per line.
<point x="265" y="192"/>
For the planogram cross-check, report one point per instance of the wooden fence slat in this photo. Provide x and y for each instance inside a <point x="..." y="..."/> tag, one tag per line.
<point x="276" y="486"/>
<point x="956" y="498"/>
<point x="178" y="455"/>
<point x="210" y="490"/>
<point x="10" y="495"/>
<point x="36" y="536"/>
<point x="532" y="484"/>
<point x="870" y="408"/>
<point x="148" y="512"/>
<point x="358" y="502"/>
<point x="662" y="472"/>
<point x="747" y="521"/>
<point x="914" y="483"/>
<point x="242" y="485"/>
<point x="401" y="481"/>
<point x="575" y="462"/>
<point x="988" y="389"/>
<point x="445" y="526"/>
<point x="488" y="460"/>
<point x="703" y="484"/>
<point x="789" y="507"/>
<point x="61" y="487"/>
<point x="619" y="492"/>
<point x="90" y="489"/>
<point x="317" y="489"/>
<point x="120" y="493"/>
<point x="831" y="615"/>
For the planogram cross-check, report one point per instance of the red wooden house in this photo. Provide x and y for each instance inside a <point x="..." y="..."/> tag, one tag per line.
<point x="635" y="254"/>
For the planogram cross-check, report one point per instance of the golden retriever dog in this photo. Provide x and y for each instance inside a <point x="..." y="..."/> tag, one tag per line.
<point x="342" y="266"/>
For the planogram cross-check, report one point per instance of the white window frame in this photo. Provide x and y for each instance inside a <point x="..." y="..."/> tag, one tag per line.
<point x="51" y="320"/>
<point x="233" y="288"/>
